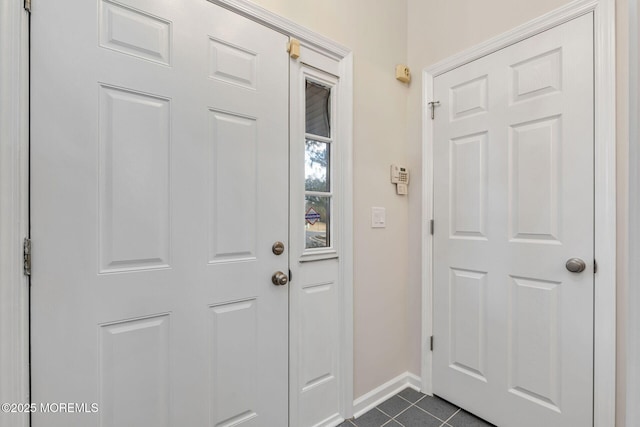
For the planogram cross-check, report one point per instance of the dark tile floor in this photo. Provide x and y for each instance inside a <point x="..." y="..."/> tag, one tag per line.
<point x="410" y="408"/>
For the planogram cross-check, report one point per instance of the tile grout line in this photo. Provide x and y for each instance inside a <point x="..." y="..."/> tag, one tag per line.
<point x="384" y="413"/>
<point x="401" y="412"/>
<point x="453" y="415"/>
<point x="392" y="419"/>
<point x="427" y="412"/>
<point x="409" y="407"/>
<point x="406" y="400"/>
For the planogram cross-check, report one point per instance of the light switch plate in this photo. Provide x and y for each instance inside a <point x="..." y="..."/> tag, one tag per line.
<point x="378" y="218"/>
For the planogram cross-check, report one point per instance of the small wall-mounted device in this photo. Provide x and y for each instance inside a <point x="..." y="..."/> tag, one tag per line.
<point x="403" y="73"/>
<point x="293" y="47"/>
<point x="400" y="177"/>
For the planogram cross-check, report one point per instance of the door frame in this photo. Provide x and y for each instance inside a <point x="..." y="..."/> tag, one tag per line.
<point x="605" y="189"/>
<point x="14" y="208"/>
<point x="14" y="194"/>
<point x="630" y="411"/>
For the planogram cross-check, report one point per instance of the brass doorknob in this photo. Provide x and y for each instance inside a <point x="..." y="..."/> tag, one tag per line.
<point x="279" y="278"/>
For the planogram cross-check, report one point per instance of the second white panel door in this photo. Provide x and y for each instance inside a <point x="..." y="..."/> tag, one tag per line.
<point x="513" y="202"/>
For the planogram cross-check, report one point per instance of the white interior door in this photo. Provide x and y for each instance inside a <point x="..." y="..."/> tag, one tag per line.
<point x="513" y="202"/>
<point x="159" y="150"/>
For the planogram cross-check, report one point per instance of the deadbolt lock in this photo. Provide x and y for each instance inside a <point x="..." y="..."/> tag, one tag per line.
<point x="278" y="248"/>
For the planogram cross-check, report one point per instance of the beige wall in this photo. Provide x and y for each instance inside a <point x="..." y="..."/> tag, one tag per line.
<point x="387" y="128"/>
<point x="438" y="29"/>
<point x="376" y="32"/>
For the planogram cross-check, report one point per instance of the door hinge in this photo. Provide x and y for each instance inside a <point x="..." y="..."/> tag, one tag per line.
<point x="26" y="256"/>
<point x="431" y="342"/>
<point x="431" y="226"/>
<point x="290" y="275"/>
<point x="433" y="105"/>
<point x="27" y="5"/>
<point x="595" y="266"/>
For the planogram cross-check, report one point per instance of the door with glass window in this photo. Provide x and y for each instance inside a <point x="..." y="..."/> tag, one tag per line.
<point x="315" y="234"/>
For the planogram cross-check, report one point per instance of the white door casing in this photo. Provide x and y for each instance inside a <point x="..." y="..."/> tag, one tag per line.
<point x="160" y="173"/>
<point x="14" y="209"/>
<point x="513" y="200"/>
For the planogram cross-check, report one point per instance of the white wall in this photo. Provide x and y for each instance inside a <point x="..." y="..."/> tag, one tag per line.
<point x="376" y="32"/>
<point x="438" y="29"/>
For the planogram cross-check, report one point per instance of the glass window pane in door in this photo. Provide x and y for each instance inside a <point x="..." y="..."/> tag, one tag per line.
<point x="316" y="166"/>
<point x="317" y="221"/>
<point x="318" y="120"/>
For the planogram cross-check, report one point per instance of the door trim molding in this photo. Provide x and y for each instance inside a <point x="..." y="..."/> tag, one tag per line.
<point x="14" y="209"/>
<point x="605" y="189"/>
<point x="632" y="411"/>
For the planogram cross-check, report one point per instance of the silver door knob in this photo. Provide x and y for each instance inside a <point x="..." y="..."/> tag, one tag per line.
<point x="575" y="265"/>
<point x="279" y="278"/>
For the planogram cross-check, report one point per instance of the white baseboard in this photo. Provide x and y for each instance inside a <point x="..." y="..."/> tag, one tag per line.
<point x="332" y="421"/>
<point x="378" y="395"/>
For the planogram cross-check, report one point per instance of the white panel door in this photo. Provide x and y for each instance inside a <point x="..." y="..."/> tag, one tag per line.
<point x="159" y="152"/>
<point x="513" y="169"/>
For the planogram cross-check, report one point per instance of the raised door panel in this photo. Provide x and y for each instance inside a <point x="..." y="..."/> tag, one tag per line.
<point x="233" y="187"/>
<point x="234" y="373"/>
<point x="468" y="178"/>
<point x="534" y="341"/>
<point x="468" y="325"/>
<point x="535" y="180"/>
<point x="135" y="32"/>
<point x="134" y="175"/>
<point x="469" y="98"/>
<point x="134" y="372"/>
<point x="537" y="76"/>
<point x="232" y="64"/>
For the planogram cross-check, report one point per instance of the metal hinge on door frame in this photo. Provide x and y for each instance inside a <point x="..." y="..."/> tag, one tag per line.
<point x="431" y="342"/>
<point x="26" y="256"/>
<point x="27" y="5"/>
<point x="433" y="105"/>
<point x="431" y="226"/>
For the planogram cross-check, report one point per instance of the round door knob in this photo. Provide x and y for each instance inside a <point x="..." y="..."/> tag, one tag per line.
<point x="576" y="265"/>
<point x="279" y="278"/>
